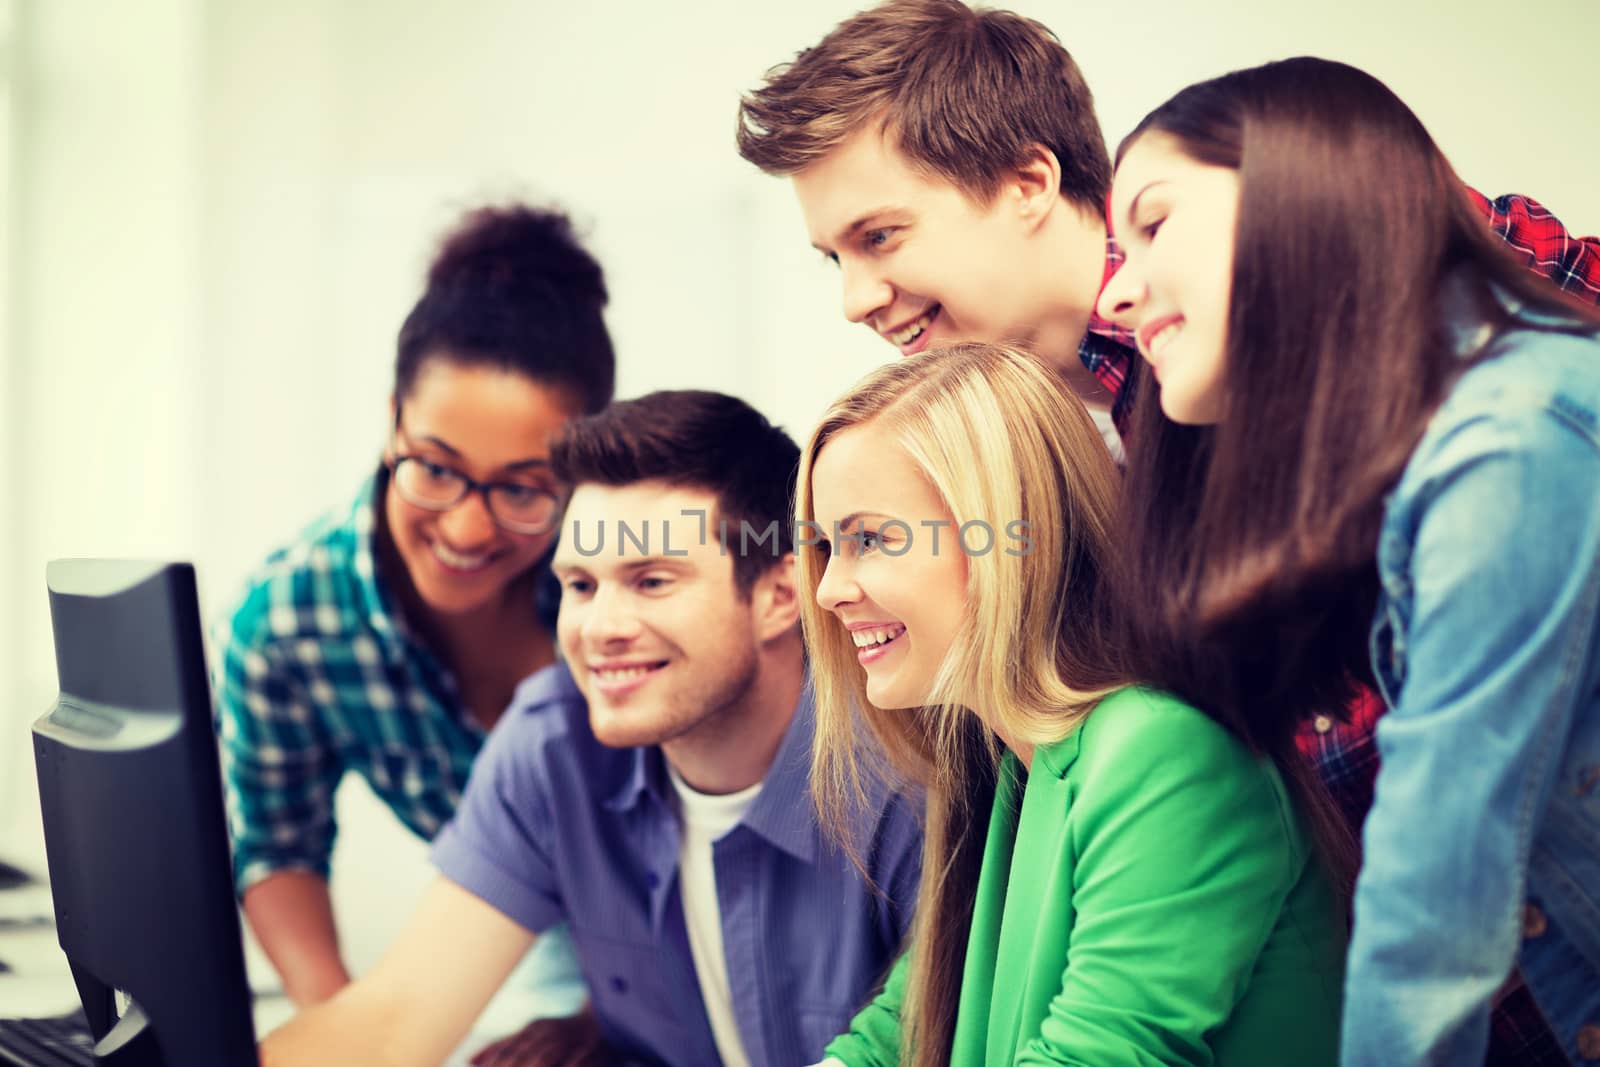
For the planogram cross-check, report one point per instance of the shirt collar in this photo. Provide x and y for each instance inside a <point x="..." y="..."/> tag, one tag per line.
<point x="646" y="775"/>
<point x="781" y="813"/>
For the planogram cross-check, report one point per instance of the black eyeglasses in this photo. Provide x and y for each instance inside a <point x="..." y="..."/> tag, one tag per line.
<point x="523" y="509"/>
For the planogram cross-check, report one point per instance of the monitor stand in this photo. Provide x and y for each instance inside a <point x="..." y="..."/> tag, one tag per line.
<point x="129" y="1041"/>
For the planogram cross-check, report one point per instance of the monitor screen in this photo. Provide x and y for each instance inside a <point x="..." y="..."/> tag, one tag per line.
<point x="135" y="837"/>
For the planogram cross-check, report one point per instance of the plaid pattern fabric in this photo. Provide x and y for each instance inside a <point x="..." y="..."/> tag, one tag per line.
<point x="1345" y="753"/>
<point x="1545" y="246"/>
<point x="316" y="676"/>
<point x="1108" y="349"/>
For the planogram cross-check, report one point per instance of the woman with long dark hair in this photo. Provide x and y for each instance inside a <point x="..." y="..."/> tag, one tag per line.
<point x="1366" y="449"/>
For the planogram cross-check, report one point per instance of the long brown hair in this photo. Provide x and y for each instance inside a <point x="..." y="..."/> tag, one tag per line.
<point x="1000" y="439"/>
<point x="1250" y="545"/>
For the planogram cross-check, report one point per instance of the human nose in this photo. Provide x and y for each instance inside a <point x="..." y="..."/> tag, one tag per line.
<point x="1123" y="294"/>
<point x="609" y="618"/>
<point x="837" y="587"/>
<point x="866" y="292"/>
<point x="469" y="522"/>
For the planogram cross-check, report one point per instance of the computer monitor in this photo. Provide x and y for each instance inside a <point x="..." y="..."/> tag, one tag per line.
<point x="135" y="840"/>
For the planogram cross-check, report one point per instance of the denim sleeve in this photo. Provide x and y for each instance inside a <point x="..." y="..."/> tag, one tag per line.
<point x="1491" y="560"/>
<point x="279" y="770"/>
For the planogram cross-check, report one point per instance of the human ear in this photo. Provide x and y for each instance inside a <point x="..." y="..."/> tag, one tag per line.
<point x="775" y="600"/>
<point x="1035" y="185"/>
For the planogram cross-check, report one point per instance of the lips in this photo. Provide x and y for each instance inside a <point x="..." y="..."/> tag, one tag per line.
<point x="620" y="678"/>
<point x="913" y="336"/>
<point x="881" y="635"/>
<point x="459" y="563"/>
<point x="1153" y="336"/>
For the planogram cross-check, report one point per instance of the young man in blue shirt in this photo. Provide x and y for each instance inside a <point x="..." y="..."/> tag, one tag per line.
<point x="651" y="790"/>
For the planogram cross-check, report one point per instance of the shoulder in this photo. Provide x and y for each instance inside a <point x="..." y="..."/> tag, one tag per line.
<point x="1529" y="410"/>
<point x="1144" y="749"/>
<point x="1154" y="771"/>
<point x="1137" y="730"/>
<point x="545" y="734"/>
<point x="309" y="587"/>
<point x="1527" y="375"/>
<point x="546" y="705"/>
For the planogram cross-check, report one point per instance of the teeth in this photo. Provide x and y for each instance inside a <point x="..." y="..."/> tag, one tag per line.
<point x="873" y="638"/>
<point x="914" y="330"/>
<point x="1163" y="335"/>
<point x="456" y="560"/>
<point x="621" y="674"/>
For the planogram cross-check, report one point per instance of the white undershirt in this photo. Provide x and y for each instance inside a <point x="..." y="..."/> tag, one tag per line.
<point x="1108" y="432"/>
<point x="705" y="820"/>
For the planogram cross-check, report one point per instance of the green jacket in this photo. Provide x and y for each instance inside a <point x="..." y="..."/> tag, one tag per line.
<point x="1157" y="902"/>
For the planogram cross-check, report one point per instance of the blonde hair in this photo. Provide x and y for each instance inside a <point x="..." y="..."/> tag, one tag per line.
<point x="1001" y="439"/>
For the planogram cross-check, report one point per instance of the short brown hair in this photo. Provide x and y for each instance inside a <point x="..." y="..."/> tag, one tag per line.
<point x="695" y="440"/>
<point x="963" y="92"/>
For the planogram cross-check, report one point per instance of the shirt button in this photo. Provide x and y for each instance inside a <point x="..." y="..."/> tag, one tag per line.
<point x="1534" y="925"/>
<point x="619" y="983"/>
<point x="1322" y="724"/>
<point x="651" y="879"/>
<point x="1589" y="1042"/>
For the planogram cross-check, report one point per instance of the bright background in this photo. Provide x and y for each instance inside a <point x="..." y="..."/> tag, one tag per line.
<point x="216" y="213"/>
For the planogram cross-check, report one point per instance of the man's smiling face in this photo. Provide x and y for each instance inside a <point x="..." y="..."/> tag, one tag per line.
<point x="921" y="262"/>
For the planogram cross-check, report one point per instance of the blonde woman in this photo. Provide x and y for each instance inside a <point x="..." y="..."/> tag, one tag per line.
<point x="1110" y="876"/>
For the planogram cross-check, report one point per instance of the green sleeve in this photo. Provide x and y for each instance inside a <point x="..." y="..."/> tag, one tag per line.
<point x="873" y="1039"/>
<point x="1185" y="853"/>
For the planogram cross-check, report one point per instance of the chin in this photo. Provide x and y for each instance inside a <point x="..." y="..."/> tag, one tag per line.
<point x="628" y="728"/>
<point x="454" y="602"/>
<point x="888" y="698"/>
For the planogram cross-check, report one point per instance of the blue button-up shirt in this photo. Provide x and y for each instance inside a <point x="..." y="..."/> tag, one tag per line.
<point x="557" y="827"/>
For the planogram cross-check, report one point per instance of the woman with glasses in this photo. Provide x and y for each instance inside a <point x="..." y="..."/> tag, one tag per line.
<point x="389" y="636"/>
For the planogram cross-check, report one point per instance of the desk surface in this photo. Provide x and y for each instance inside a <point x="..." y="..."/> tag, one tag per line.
<point x="39" y="983"/>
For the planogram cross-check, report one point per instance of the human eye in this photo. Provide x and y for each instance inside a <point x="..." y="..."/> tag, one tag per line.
<point x="654" y="583"/>
<point x="870" y="541"/>
<point x="436" y="475"/>
<point x="1149" y="230"/>
<point x="577" y="585"/>
<point x="830" y="257"/>
<point x="878" y="238"/>
<point x="517" y="494"/>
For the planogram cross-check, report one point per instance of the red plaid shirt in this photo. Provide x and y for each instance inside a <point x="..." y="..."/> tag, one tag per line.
<point x="1345" y="753"/>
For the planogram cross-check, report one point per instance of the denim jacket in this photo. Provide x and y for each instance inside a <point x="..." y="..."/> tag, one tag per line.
<point x="1483" y="846"/>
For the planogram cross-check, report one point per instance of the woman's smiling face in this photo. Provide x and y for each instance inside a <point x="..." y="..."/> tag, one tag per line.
<point x="1174" y="218"/>
<point x="896" y="575"/>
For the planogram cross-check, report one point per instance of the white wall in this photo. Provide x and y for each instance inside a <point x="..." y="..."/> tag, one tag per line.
<point x="222" y="209"/>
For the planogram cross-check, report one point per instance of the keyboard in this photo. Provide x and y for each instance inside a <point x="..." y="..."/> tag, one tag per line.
<point x="59" y="1041"/>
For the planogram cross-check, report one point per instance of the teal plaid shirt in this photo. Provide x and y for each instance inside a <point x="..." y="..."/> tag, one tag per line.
<point x="317" y="675"/>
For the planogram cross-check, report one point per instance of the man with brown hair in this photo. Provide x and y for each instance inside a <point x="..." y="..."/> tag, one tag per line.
<point x="651" y="790"/>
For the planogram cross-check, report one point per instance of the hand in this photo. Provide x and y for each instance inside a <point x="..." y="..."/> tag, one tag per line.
<point x="560" y="1042"/>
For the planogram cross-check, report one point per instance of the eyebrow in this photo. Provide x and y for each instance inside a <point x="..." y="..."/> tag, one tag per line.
<point x="1134" y="203"/>
<point x="521" y="464"/>
<point x="862" y="222"/>
<point x="856" y="516"/>
<point x="628" y="567"/>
